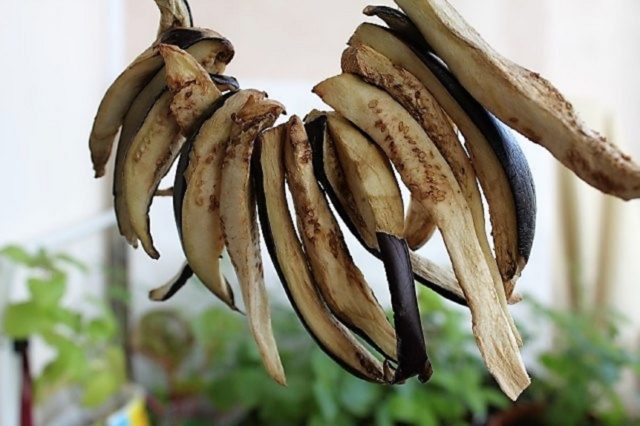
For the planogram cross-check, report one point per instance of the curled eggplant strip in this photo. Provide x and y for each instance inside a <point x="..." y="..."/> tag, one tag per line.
<point x="167" y="291"/>
<point x="268" y="171"/>
<point x="407" y="90"/>
<point x="430" y="179"/>
<point x="240" y="228"/>
<point x="174" y="14"/>
<point x="524" y="100"/>
<point x="211" y="49"/>
<point x="500" y="164"/>
<point x="419" y="226"/>
<point x="339" y="280"/>
<point x="371" y="179"/>
<point x="155" y="147"/>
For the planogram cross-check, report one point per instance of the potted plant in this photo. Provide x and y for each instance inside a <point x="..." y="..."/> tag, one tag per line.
<point x="577" y="383"/>
<point x="85" y="381"/>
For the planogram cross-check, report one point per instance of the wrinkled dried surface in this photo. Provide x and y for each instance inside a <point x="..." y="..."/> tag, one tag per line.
<point x="430" y="179"/>
<point x="291" y="263"/>
<point x="173" y="14"/>
<point x="240" y="228"/>
<point x="524" y="100"/>
<point x="339" y="280"/>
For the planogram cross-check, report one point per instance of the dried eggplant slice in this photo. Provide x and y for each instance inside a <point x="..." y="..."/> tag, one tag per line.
<point x="211" y="49"/>
<point x="333" y="180"/>
<point x="268" y="171"/>
<point x="174" y="14"/>
<point x="339" y="280"/>
<point x="419" y="226"/>
<point x="167" y="291"/>
<point x="400" y="24"/>
<point x="154" y="148"/>
<point x="237" y="212"/>
<point x="499" y="162"/>
<point x="372" y="181"/>
<point x="407" y="90"/>
<point x="430" y="179"/>
<point x="524" y="100"/>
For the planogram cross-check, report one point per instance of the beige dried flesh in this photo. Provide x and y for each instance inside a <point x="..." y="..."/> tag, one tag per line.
<point x="430" y="179"/>
<point x="213" y="54"/>
<point x="202" y="237"/>
<point x="409" y="92"/>
<point x="339" y="280"/>
<point x="370" y="177"/>
<point x="490" y="173"/>
<point x="419" y="226"/>
<point x="240" y="229"/>
<point x="173" y="14"/>
<point x="154" y="149"/>
<point x="331" y="334"/>
<point x="524" y="100"/>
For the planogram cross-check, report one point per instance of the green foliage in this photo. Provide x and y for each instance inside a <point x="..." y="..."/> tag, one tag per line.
<point x="319" y="392"/>
<point x="87" y="354"/>
<point x="581" y="371"/>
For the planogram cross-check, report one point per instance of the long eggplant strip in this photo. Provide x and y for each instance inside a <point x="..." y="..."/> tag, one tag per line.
<point x="499" y="163"/>
<point x="407" y="90"/>
<point x="334" y="184"/>
<point x="238" y="215"/>
<point x="268" y="171"/>
<point x="524" y="100"/>
<point x="157" y="144"/>
<point x="419" y="226"/>
<point x="377" y="195"/>
<point x="213" y="51"/>
<point x="339" y="280"/>
<point x="426" y="173"/>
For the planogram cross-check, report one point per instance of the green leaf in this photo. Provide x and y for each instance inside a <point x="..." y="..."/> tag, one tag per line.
<point x="101" y="330"/>
<point x="17" y="255"/>
<point x="48" y="291"/>
<point x="71" y="261"/>
<point x="325" y="399"/>
<point x="24" y="320"/>
<point x="358" y="397"/>
<point x="100" y="388"/>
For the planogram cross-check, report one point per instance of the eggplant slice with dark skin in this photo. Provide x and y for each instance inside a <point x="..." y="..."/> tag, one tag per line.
<point x="407" y="90"/>
<point x="524" y="100"/>
<point x="430" y="179"/>
<point x="341" y="283"/>
<point x="174" y="14"/>
<point x="153" y="150"/>
<point x="285" y="249"/>
<point x="215" y="52"/>
<point x="502" y="168"/>
<point x="334" y="184"/>
<point x="373" y="184"/>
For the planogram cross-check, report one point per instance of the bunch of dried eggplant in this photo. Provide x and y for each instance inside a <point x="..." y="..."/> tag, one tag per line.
<point x="423" y="98"/>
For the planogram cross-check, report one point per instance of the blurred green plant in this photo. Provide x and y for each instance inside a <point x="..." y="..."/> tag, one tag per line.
<point x="87" y="353"/>
<point x="580" y="373"/>
<point x="319" y="392"/>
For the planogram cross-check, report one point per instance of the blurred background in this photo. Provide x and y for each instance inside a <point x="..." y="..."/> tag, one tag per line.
<point x="61" y="56"/>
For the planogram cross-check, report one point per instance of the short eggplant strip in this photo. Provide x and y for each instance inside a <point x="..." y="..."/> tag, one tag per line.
<point x="524" y="100"/>
<point x="174" y="14"/>
<point x="157" y="144"/>
<point x="499" y="162"/>
<point x="286" y="251"/>
<point x="428" y="176"/>
<point x="372" y="181"/>
<point x="419" y="226"/>
<point x="167" y="291"/>
<point x="333" y="181"/>
<point x="407" y="90"/>
<point x="121" y="95"/>
<point x="241" y="234"/>
<point x="339" y="280"/>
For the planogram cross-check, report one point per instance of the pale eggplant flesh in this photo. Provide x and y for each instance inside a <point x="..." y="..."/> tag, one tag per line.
<point x="501" y="165"/>
<point x="524" y="100"/>
<point x="285" y="249"/>
<point x="317" y="131"/>
<point x="174" y="14"/>
<point x="121" y="95"/>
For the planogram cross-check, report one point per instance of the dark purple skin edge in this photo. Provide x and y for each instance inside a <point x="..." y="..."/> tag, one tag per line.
<point x="499" y="136"/>
<point x="188" y="6"/>
<point x="180" y="189"/>
<point x="263" y="215"/>
<point x="394" y="253"/>
<point x="412" y="353"/>
<point x="316" y="130"/>
<point x="400" y="24"/>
